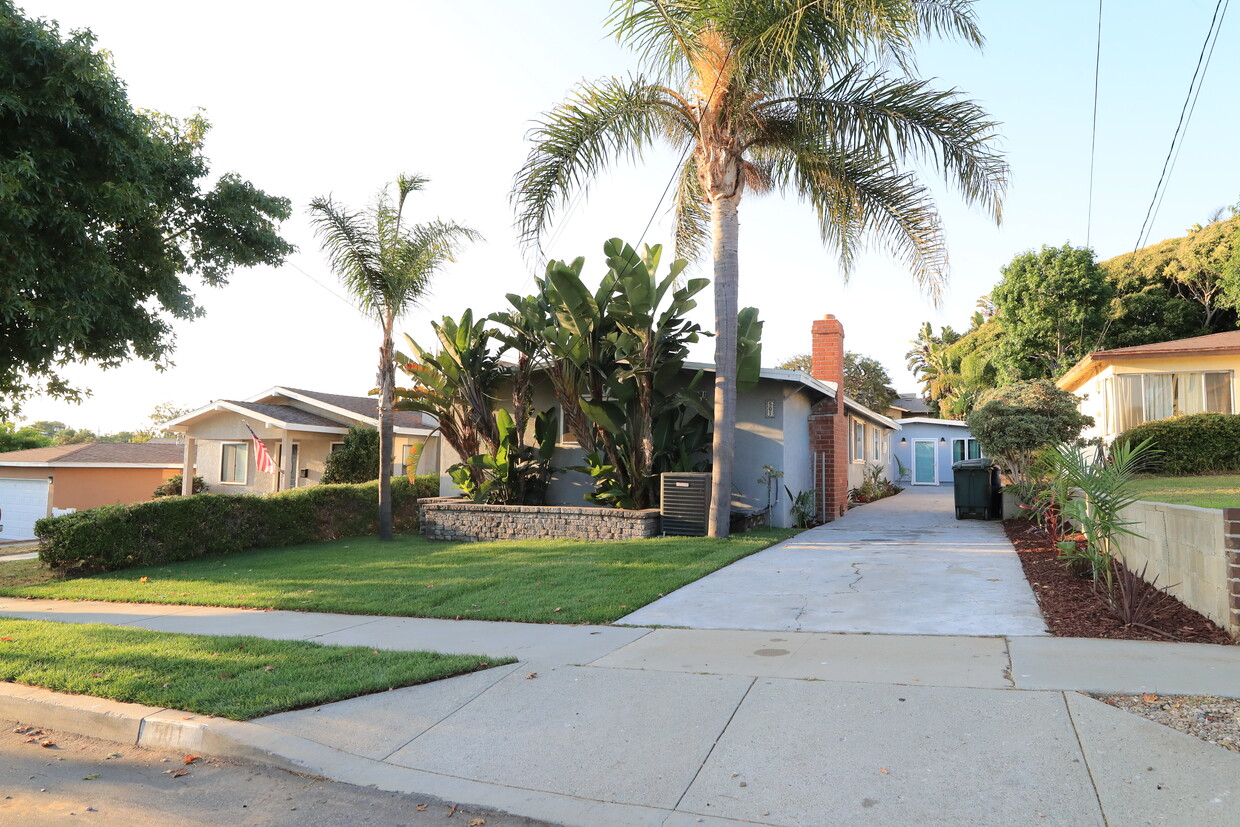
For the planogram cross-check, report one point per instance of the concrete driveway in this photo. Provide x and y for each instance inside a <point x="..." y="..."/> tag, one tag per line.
<point x="903" y="565"/>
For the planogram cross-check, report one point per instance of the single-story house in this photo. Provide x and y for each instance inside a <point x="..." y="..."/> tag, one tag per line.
<point x="299" y="429"/>
<point x="927" y="448"/>
<point x="790" y="421"/>
<point x="38" y="482"/>
<point x="1124" y="387"/>
<point x="908" y="405"/>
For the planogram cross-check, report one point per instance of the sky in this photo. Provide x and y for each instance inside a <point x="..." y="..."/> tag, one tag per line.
<point x="312" y="98"/>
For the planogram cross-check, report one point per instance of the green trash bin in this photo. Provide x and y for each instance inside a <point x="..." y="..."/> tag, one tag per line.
<point x="977" y="489"/>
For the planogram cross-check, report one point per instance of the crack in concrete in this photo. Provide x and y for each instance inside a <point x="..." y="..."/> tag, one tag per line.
<point x="801" y="611"/>
<point x="856" y="567"/>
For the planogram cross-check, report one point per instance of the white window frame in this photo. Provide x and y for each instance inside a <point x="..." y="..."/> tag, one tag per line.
<point x="245" y="480"/>
<point x="966" y="441"/>
<point x="858" y="430"/>
<point x="875" y="442"/>
<point x="1111" y="409"/>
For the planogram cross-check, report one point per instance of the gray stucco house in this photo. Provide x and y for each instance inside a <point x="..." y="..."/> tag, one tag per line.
<point x="790" y="420"/>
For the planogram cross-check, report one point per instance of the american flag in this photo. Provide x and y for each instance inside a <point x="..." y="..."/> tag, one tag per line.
<point x="262" y="459"/>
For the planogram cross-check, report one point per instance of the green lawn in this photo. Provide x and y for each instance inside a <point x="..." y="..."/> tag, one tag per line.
<point x="537" y="581"/>
<point x="1222" y="491"/>
<point x="231" y="677"/>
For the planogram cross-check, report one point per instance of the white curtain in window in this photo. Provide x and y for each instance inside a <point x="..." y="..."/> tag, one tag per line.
<point x="1188" y="395"/>
<point x="1128" y="407"/>
<point x="1218" y="392"/>
<point x="1159" y="396"/>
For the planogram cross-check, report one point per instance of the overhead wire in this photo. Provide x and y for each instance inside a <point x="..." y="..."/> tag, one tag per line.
<point x="1093" y="136"/>
<point x="1181" y="128"/>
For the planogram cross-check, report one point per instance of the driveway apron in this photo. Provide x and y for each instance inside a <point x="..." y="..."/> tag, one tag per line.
<point x="902" y="565"/>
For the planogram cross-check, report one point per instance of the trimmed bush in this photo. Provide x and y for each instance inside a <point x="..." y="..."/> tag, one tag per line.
<point x="1205" y="443"/>
<point x="356" y="461"/>
<point x="172" y="488"/>
<point x="182" y="528"/>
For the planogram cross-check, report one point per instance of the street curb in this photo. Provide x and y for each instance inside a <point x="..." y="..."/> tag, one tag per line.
<point x="176" y="731"/>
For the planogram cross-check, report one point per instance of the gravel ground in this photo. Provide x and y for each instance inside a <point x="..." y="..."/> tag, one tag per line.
<point x="1214" y="720"/>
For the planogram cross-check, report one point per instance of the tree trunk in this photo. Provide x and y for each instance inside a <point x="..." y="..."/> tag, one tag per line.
<point x="725" y="225"/>
<point x="387" y="383"/>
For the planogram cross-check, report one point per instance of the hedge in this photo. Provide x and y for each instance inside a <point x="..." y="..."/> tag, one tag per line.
<point x="182" y="528"/>
<point x="1205" y="443"/>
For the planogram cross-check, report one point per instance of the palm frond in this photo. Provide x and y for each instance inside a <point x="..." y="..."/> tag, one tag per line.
<point x="601" y="122"/>
<point x="949" y="19"/>
<point x="903" y="118"/>
<point x="861" y="198"/>
<point x="662" y="33"/>
<point x="691" y="214"/>
<point x="352" y="247"/>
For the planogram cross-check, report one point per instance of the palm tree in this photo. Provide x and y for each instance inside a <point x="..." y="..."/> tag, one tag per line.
<point x="387" y="265"/>
<point x="766" y="94"/>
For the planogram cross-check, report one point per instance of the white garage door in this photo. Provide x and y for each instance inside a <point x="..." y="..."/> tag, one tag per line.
<point x="21" y="503"/>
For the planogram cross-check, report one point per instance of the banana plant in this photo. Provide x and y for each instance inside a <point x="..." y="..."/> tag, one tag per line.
<point x="456" y="385"/>
<point x="512" y="473"/>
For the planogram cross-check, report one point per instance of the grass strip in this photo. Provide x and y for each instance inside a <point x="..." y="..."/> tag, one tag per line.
<point x="1216" y="491"/>
<point x="238" y="677"/>
<point x="535" y="581"/>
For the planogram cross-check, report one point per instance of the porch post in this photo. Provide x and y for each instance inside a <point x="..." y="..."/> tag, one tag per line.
<point x="187" y="468"/>
<point x="285" y="479"/>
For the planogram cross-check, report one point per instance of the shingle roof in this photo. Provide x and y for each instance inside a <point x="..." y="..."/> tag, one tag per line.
<point x="911" y="402"/>
<point x="367" y="406"/>
<point x="1212" y="344"/>
<point x="1229" y="340"/>
<point x="101" y="453"/>
<point x="286" y="413"/>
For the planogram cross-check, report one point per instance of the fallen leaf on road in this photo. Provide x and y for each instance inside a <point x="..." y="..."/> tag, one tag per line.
<point x="883" y="771"/>
<point x="179" y="773"/>
<point x="531" y="676"/>
<point x="113" y="755"/>
<point x="452" y="812"/>
<point x="1148" y="698"/>
<point x="48" y="744"/>
<point x="477" y="822"/>
<point x="90" y="777"/>
<point x="421" y="808"/>
<point x="189" y="759"/>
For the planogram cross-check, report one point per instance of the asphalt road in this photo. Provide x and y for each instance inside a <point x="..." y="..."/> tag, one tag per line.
<point x="52" y="778"/>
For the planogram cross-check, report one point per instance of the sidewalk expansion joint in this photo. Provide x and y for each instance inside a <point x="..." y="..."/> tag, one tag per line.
<point x="1080" y="745"/>
<point x="715" y="743"/>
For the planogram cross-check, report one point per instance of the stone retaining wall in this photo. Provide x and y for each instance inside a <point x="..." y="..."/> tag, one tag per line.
<point x="1194" y="550"/>
<point x="450" y="518"/>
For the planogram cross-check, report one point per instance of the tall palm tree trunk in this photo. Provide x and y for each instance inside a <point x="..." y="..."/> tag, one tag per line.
<point x="387" y="382"/>
<point x="725" y="230"/>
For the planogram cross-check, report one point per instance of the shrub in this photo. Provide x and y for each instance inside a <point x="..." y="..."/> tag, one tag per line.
<point x="172" y="487"/>
<point x="1013" y="423"/>
<point x="1205" y="443"/>
<point x="356" y="461"/>
<point x="182" y="528"/>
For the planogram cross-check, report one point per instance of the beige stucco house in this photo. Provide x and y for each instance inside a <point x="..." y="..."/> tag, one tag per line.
<point x="1124" y="387"/>
<point x="299" y="429"/>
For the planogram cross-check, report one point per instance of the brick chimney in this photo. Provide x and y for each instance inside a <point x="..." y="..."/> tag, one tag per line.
<point x="828" y="426"/>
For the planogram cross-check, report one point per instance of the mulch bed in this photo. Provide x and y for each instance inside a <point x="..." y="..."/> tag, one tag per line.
<point x="1073" y="609"/>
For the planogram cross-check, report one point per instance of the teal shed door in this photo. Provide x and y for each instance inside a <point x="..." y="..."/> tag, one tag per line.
<point x="925" y="465"/>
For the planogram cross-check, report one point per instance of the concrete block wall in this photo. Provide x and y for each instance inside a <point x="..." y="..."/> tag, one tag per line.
<point x="462" y="521"/>
<point x="1193" y="550"/>
<point x="1231" y="542"/>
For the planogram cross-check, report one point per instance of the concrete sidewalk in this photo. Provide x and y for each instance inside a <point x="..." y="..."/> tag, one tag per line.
<point x="632" y="726"/>
<point x="902" y="565"/>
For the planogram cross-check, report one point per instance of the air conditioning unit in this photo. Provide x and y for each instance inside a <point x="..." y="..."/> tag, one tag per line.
<point x="684" y="503"/>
